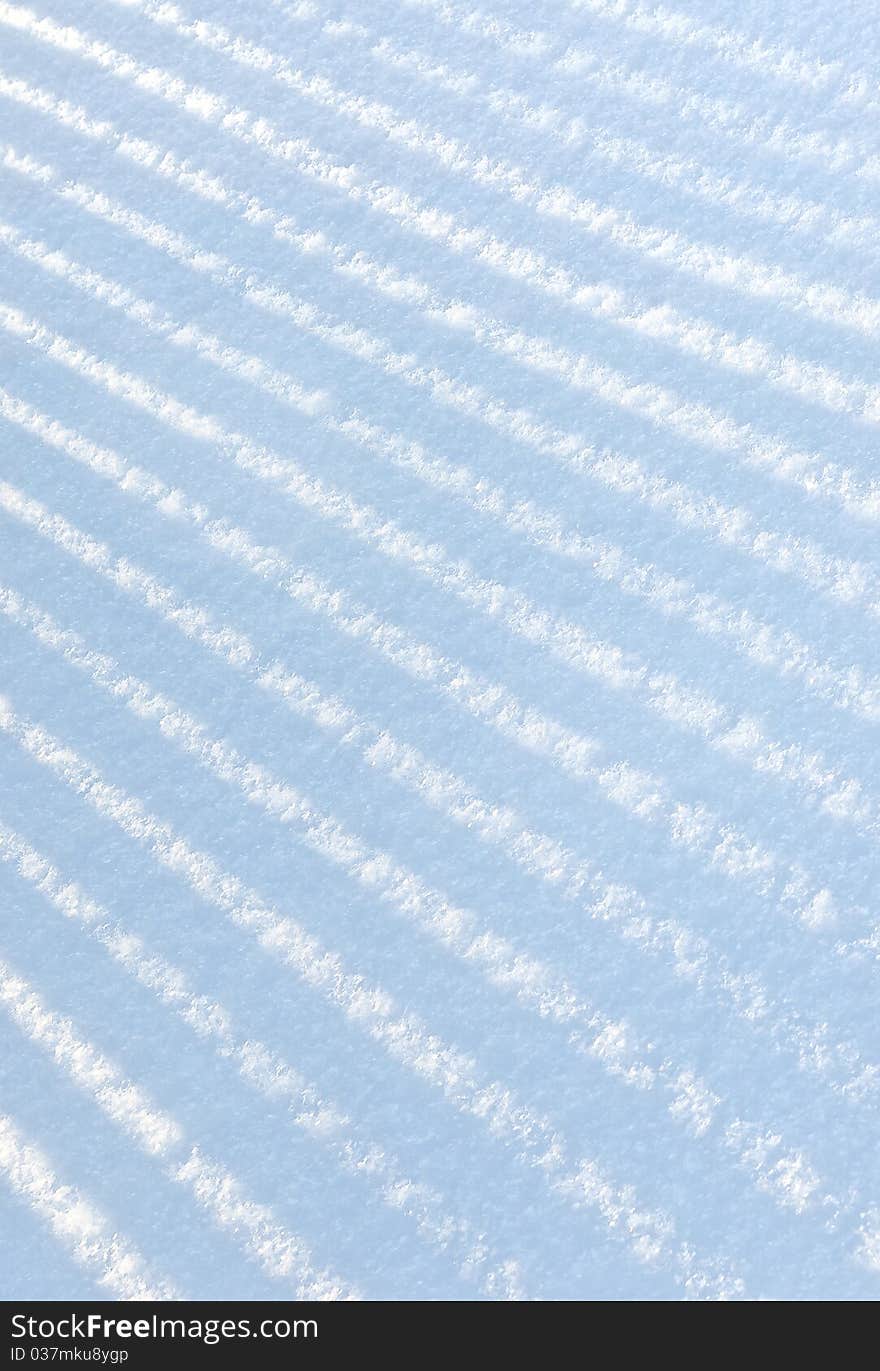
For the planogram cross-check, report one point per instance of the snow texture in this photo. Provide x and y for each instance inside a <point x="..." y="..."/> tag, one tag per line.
<point x="440" y="648"/>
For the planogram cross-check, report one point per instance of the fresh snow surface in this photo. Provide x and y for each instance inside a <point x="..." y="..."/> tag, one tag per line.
<point x="440" y="649"/>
